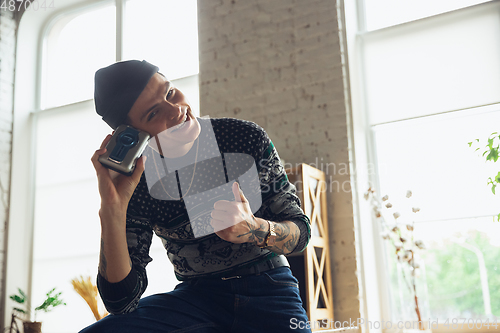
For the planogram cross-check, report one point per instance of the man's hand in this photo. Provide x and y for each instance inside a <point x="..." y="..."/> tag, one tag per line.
<point x="235" y="222"/>
<point x="115" y="189"/>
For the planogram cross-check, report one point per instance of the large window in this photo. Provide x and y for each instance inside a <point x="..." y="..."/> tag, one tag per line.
<point x="431" y="157"/>
<point x="428" y="87"/>
<point x="77" y="45"/>
<point x="68" y="131"/>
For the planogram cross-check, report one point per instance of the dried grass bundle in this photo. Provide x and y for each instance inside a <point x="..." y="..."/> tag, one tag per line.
<point x="88" y="291"/>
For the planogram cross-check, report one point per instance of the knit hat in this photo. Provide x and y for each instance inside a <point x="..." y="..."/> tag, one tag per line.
<point x="118" y="86"/>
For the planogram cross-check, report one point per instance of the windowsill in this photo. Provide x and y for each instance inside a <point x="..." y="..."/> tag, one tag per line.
<point x="445" y="328"/>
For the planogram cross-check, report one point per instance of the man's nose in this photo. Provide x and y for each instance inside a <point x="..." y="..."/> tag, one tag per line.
<point x="171" y="110"/>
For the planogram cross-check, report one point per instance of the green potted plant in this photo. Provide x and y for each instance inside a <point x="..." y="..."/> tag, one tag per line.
<point x="51" y="301"/>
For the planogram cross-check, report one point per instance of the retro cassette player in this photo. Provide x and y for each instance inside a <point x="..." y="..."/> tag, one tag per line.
<point x="124" y="148"/>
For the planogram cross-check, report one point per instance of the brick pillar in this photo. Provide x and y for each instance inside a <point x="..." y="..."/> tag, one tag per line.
<point x="8" y="26"/>
<point x="279" y="63"/>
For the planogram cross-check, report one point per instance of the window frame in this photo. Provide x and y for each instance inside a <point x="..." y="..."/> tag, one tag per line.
<point x="33" y="30"/>
<point x="372" y="261"/>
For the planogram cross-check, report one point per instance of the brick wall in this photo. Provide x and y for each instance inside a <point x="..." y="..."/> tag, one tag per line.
<point x="279" y="63"/>
<point x="8" y="26"/>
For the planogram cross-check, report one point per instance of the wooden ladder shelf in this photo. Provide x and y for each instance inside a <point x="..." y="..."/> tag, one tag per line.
<point x="313" y="264"/>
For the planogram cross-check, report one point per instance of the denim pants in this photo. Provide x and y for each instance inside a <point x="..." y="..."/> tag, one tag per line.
<point x="268" y="302"/>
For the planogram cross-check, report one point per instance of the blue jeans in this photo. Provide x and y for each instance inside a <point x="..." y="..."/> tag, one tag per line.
<point x="268" y="302"/>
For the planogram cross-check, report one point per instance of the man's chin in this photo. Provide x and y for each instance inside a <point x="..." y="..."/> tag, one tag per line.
<point x="176" y="141"/>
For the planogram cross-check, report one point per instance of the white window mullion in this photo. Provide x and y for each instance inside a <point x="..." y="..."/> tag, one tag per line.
<point x="120" y="24"/>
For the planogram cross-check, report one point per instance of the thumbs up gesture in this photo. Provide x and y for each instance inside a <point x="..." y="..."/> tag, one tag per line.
<point x="234" y="221"/>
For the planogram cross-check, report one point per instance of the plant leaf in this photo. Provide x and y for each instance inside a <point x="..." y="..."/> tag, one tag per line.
<point x="21" y="292"/>
<point x="50" y="302"/>
<point x="17" y="299"/>
<point x="493" y="155"/>
<point x="490" y="143"/>
<point x="497" y="177"/>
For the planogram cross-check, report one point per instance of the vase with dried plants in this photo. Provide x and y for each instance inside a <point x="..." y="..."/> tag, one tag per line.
<point x="399" y="232"/>
<point x="88" y="291"/>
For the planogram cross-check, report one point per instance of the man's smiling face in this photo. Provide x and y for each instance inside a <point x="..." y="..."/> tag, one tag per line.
<point x="163" y="111"/>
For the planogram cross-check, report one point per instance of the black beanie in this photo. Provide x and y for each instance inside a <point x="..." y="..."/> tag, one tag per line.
<point x="118" y="86"/>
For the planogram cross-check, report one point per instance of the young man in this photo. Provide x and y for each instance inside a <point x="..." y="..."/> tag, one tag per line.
<point x="233" y="272"/>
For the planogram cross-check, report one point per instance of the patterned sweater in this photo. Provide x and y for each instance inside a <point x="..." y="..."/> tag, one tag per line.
<point x="161" y="206"/>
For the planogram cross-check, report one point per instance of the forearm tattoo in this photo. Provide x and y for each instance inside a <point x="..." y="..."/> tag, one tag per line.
<point x="286" y="237"/>
<point x="255" y="235"/>
<point x="102" y="261"/>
